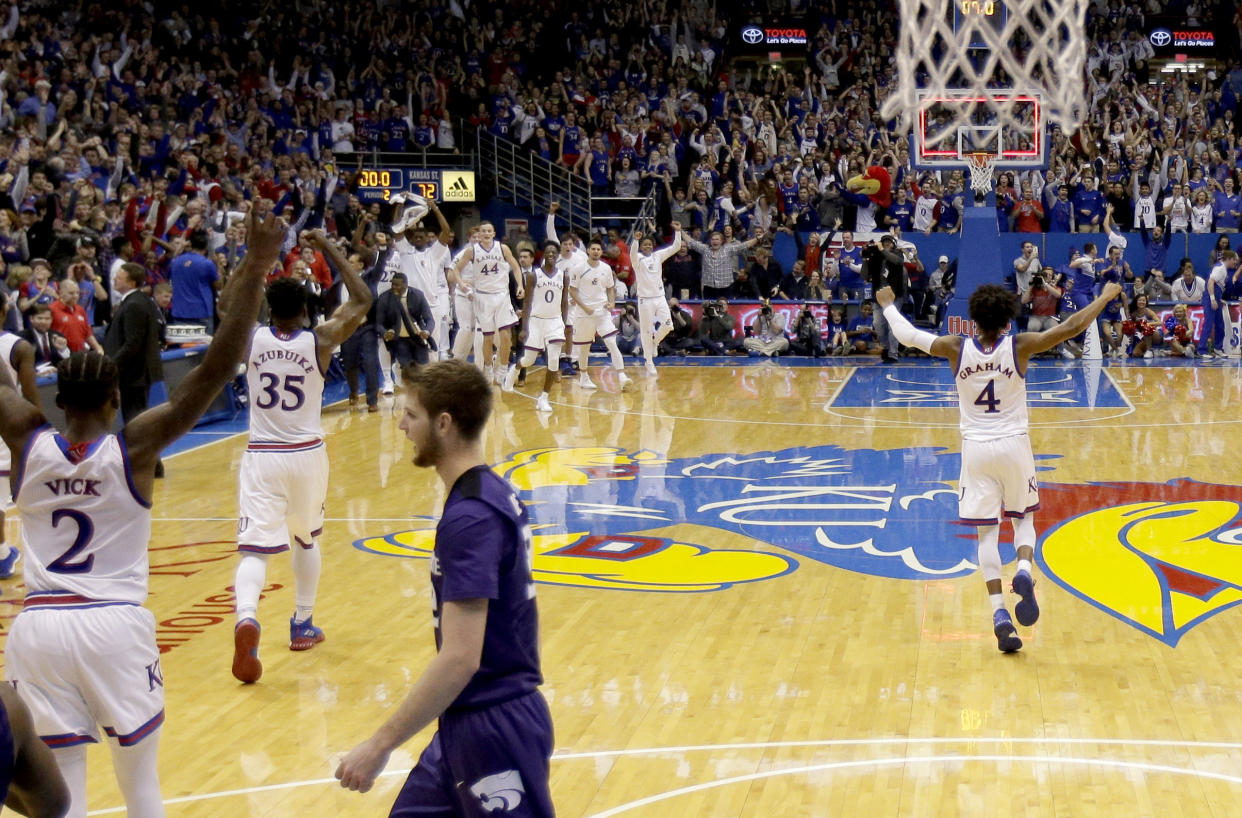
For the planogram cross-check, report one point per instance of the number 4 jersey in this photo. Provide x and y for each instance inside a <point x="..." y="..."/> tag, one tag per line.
<point x="84" y="526"/>
<point x="991" y="390"/>
<point x="286" y="390"/>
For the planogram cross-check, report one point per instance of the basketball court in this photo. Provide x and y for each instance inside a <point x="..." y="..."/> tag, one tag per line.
<point x="755" y="601"/>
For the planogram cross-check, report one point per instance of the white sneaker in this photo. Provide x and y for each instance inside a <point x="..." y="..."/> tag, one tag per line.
<point x="624" y="381"/>
<point x="1149" y="354"/>
<point x="1220" y="353"/>
<point x="584" y="381"/>
<point x="506" y="383"/>
<point x="387" y="390"/>
<point x="1067" y="355"/>
<point x="651" y="368"/>
<point x="543" y="404"/>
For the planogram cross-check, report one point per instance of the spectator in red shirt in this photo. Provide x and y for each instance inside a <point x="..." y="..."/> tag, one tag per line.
<point x="1027" y="213"/>
<point x="318" y="265"/>
<point x="69" y="319"/>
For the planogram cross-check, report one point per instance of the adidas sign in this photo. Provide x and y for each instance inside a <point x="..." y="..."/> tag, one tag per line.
<point x="457" y="185"/>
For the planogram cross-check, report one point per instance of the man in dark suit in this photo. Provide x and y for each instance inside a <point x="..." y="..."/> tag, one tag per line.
<point x="50" y="347"/>
<point x="403" y="319"/>
<point x="133" y="342"/>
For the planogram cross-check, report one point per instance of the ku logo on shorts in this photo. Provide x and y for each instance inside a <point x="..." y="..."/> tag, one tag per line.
<point x="501" y="792"/>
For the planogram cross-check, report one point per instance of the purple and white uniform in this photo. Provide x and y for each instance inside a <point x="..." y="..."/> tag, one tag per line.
<point x="490" y="755"/>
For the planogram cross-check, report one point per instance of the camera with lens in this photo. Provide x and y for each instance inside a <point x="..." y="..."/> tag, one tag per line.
<point x="1037" y="282"/>
<point x="709" y="308"/>
<point x="766" y="310"/>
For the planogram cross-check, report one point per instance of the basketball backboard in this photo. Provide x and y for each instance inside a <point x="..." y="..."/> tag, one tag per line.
<point x="941" y="140"/>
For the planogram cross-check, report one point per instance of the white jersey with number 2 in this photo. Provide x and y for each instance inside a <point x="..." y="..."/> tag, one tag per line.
<point x="991" y="390"/>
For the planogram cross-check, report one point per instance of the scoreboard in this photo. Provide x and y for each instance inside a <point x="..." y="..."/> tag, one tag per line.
<point x="380" y="184"/>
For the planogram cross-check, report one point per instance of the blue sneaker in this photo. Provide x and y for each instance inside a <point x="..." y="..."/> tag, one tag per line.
<point x="304" y="635"/>
<point x="1027" y="610"/>
<point x="1006" y="636"/>
<point x="246" y="665"/>
<point x="8" y="565"/>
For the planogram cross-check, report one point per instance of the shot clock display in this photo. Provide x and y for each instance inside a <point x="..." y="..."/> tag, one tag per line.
<point x="437" y="185"/>
<point x="970" y="16"/>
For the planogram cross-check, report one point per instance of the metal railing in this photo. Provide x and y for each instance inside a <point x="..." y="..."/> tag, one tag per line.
<point x="532" y="183"/>
<point x="414" y="158"/>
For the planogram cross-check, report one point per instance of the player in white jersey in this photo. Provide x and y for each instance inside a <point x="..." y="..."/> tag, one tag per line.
<point x="17" y="360"/>
<point x="423" y="258"/>
<point x="654" y="319"/>
<point x="573" y="256"/>
<point x="82" y="653"/>
<point x="516" y="371"/>
<point x="493" y="264"/>
<point x="468" y="338"/>
<point x="998" y="468"/>
<point x="543" y="320"/>
<point x="284" y="472"/>
<point x="591" y="299"/>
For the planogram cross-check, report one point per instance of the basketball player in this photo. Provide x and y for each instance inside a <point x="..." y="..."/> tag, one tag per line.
<point x="30" y="782"/>
<point x="493" y="264"/>
<point x="423" y="256"/>
<point x="998" y="468"/>
<point x="543" y="321"/>
<point x="284" y="472"/>
<point x="467" y="338"/>
<point x="491" y="751"/>
<point x="592" y="294"/>
<point x="17" y="359"/>
<point x="82" y="652"/>
<point x="573" y="258"/>
<point x="654" y="319"/>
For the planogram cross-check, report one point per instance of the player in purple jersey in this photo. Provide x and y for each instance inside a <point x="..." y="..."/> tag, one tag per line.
<point x="30" y="782"/>
<point x="494" y="741"/>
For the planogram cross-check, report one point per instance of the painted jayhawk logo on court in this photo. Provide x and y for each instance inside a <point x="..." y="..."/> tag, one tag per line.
<point x="1158" y="557"/>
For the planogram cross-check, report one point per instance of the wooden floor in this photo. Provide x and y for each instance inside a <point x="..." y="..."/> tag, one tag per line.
<point x="756" y="602"/>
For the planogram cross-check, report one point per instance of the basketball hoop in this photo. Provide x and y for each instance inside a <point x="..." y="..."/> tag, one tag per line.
<point x="1035" y="46"/>
<point x="981" y="164"/>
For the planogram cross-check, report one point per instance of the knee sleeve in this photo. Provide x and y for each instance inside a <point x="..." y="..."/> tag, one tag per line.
<point x="989" y="552"/>
<point x="1023" y="531"/>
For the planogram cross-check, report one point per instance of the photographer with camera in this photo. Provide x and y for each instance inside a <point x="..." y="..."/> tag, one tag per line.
<point x="682" y="337"/>
<point x="886" y="267"/>
<point x="716" y="329"/>
<point x="1024" y="267"/>
<point x="807" y="339"/>
<point x="629" y="331"/>
<point x="1043" y="297"/>
<point x="767" y="333"/>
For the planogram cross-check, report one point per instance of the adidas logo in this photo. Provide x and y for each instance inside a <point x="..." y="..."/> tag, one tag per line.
<point x="458" y="186"/>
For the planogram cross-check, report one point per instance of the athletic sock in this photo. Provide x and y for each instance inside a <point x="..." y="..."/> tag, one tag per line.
<point x="1024" y="565"/>
<point x="306" y="567"/>
<point x="248" y="585"/>
<point x="998" y="601"/>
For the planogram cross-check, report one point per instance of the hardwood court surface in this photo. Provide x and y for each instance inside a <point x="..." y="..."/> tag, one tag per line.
<point x="755" y="602"/>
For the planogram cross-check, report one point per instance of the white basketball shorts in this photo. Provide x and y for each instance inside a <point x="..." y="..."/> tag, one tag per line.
<point x="85" y="668"/>
<point x="493" y="312"/>
<point x="997" y="475"/>
<point x="543" y="331"/>
<point x="281" y="498"/>
<point x="588" y="325"/>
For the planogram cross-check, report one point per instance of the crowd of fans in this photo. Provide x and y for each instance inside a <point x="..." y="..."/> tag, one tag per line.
<point x="128" y="135"/>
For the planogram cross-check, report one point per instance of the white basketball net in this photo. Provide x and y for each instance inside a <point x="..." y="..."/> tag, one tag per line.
<point x="1041" y="48"/>
<point x="981" y="167"/>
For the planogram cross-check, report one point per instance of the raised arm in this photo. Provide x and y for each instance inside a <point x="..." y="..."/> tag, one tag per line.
<point x="350" y="315"/>
<point x="1032" y="343"/>
<point x="148" y="434"/>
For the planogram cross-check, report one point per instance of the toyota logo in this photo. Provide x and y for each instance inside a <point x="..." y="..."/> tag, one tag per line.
<point x="752" y="35"/>
<point x="1161" y="37"/>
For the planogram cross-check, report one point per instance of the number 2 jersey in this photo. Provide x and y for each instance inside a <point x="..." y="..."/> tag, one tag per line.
<point x="286" y="390"/>
<point x="991" y="391"/>
<point x="85" y="528"/>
